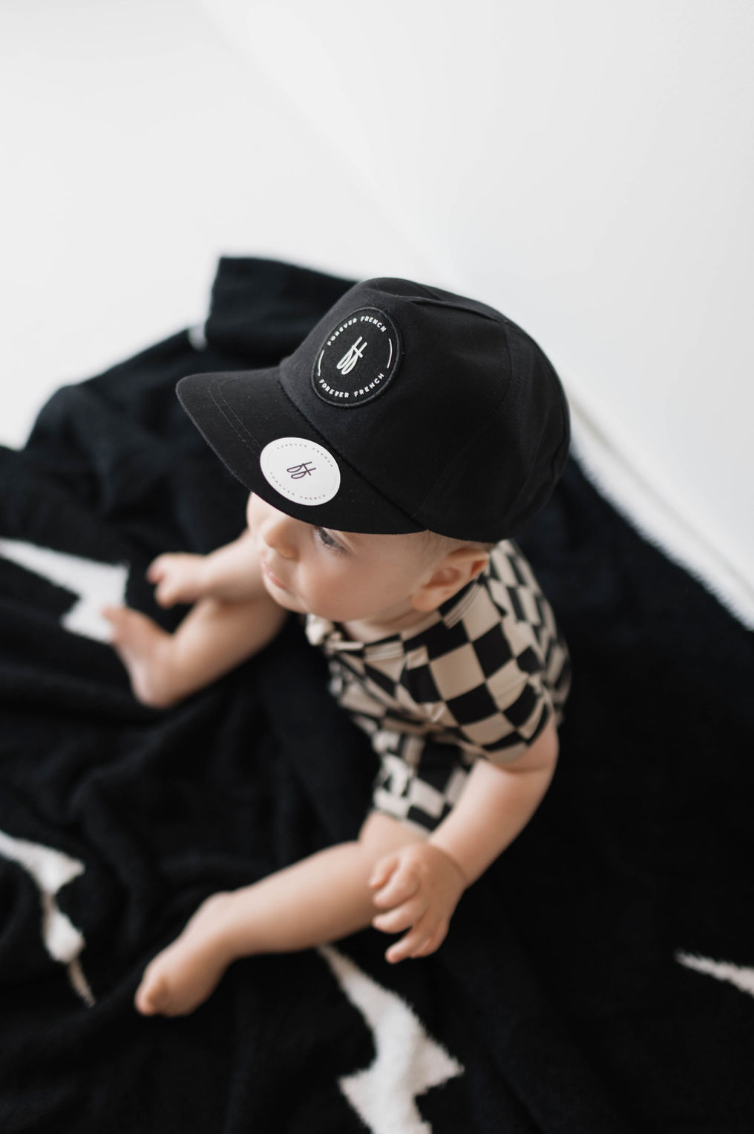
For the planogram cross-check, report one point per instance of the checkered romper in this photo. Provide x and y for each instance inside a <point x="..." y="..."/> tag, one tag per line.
<point x="479" y="678"/>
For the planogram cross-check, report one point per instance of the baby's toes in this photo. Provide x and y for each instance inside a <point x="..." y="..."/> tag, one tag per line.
<point x="117" y="617"/>
<point x="156" y="568"/>
<point x="153" y="995"/>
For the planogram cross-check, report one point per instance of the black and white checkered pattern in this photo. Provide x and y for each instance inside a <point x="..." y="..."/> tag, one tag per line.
<point x="479" y="678"/>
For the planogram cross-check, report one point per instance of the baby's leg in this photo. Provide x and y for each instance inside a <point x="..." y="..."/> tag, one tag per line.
<point x="144" y="650"/>
<point x="215" y="636"/>
<point x="315" y="901"/>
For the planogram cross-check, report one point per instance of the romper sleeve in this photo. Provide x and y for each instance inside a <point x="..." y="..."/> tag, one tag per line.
<point x="422" y="773"/>
<point x="512" y="720"/>
<point x="491" y="695"/>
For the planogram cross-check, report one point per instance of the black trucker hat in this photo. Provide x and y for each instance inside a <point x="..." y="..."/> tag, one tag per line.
<point x="405" y="408"/>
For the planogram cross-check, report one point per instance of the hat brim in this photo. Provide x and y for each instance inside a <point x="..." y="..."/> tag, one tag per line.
<point x="238" y="413"/>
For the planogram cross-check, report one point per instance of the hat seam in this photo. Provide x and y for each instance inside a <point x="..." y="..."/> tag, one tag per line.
<point x="225" y="410"/>
<point x="454" y="307"/>
<point x="429" y="298"/>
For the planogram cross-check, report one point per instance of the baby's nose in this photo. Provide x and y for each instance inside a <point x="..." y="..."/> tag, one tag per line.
<point x="278" y="534"/>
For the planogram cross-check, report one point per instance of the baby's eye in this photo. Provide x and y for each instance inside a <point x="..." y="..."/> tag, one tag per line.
<point x="324" y="537"/>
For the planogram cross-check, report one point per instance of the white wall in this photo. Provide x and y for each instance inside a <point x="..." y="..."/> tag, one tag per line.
<point x="137" y="146"/>
<point x="586" y="165"/>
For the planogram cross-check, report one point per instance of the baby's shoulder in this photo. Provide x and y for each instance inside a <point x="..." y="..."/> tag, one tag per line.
<point x="498" y="632"/>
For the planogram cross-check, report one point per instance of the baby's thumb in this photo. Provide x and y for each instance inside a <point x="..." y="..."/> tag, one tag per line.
<point x="383" y="870"/>
<point x="164" y="596"/>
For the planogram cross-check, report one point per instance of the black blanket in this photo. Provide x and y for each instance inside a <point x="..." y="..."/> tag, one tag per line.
<point x="583" y="985"/>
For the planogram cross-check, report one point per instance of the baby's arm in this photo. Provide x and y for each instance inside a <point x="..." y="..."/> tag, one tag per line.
<point x="421" y="884"/>
<point x="229" y="573"/>
<point x="233" y="617"/>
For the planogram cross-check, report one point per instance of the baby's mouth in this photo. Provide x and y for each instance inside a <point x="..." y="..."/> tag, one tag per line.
<point x="271" y="576"/>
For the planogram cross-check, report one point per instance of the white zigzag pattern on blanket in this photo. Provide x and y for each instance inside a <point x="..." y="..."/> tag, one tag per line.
<point x="51" y="870"/>
<point x="741" y="977"/>
<point x="96" y="583"/>
<point x="408" y="1060"/>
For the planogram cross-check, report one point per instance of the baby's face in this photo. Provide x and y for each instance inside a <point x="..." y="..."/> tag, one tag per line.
<point x="337" y="575"/>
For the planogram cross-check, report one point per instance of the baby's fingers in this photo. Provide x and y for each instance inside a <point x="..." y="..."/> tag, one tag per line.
<point x="383" y="870"/>
<point x="403" y="883"/>
<point x="400" y="917"/>
<point x="433" y="941"/>
<point x="413" y="942"/>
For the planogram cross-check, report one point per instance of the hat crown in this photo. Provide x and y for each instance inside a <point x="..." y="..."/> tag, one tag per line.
<point x="434" y="410"/>
<point x="454" y="433"/>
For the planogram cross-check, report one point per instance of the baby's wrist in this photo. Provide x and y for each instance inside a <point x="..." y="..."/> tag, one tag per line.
<point x="204" y="581"/>
<point x="437" y="842"/>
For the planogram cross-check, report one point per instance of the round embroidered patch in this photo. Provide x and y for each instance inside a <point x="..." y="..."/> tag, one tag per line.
<point x="300" y="470"/>
<point x="358" y="359"/>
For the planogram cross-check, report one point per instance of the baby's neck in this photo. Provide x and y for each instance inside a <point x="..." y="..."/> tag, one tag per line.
<point x="380" y="627"/>
<point x="368" y="631"/>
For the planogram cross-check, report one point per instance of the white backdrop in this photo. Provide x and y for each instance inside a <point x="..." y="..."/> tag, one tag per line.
<point x="585" y="166"/>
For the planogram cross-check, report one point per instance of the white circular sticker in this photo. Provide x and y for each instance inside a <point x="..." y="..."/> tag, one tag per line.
<point x="300" y="470"/>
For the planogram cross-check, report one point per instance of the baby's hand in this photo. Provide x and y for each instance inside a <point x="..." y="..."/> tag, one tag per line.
<point x="177" y="576"/>
<point x="421" y="885"/>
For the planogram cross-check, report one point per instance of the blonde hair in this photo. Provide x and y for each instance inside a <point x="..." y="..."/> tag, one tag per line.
<point x="438" y="546"/>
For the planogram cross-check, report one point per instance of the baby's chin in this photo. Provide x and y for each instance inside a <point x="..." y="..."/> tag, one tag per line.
<point x="290" y="602"/>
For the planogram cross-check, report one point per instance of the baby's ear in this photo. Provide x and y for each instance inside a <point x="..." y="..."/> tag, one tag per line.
<point x="448" y="576"/>
<point x="479" y="559"/>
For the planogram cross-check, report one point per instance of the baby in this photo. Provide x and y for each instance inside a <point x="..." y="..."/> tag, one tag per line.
<point x="389" y="459"/>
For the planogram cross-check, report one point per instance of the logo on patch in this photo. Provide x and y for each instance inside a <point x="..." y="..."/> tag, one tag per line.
<point x="358" y="359"/>
<point x="301" y="470"/>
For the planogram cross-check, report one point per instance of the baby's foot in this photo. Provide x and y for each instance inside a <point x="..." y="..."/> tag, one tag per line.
<point x="184" y="975"/>
<point x="140" y="642"/>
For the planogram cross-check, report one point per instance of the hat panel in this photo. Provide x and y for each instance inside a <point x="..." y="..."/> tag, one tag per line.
<point x="438" y="412"/>
<point x="505" y="474"/>
<point x="473" y="493"/>
<point x="543" y="425"/>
